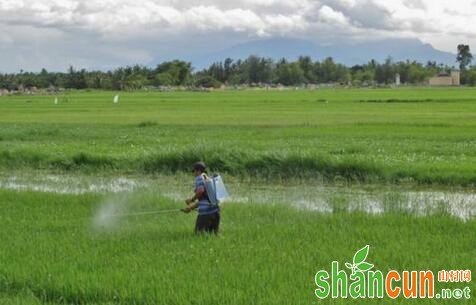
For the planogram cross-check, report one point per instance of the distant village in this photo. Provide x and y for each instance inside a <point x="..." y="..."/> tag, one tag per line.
<point x="253" y="72"/>
<point x="442" y="79"/>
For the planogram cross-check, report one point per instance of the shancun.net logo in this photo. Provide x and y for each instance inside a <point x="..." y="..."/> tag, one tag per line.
<point x="363" y="282"/>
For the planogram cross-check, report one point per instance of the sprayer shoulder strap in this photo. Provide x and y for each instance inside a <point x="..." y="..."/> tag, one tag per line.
<point x="205" y="179"/>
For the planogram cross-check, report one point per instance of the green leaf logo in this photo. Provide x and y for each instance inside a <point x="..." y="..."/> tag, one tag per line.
<point x="364" y="267"/>
<point x="361" y="255"/>
<point x="359" y="264"/>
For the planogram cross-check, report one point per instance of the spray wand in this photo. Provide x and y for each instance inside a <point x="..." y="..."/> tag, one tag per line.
<point x="147" y="213"/>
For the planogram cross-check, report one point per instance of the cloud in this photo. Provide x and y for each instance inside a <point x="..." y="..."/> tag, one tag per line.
<point x="112" y="16"/>
<point x="418" y="4"/>
<point x="329" y="15"/>
<point x="91" y="33"/>
<point x="251" y="16"/>
<point x="363" y="14"/>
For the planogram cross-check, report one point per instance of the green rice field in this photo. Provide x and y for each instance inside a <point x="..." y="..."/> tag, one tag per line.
<point x="314" y="176"/>
<point x="425" y="136"/>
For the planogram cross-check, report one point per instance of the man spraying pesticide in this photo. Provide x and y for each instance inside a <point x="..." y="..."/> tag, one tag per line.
<point x="208" y="193"/>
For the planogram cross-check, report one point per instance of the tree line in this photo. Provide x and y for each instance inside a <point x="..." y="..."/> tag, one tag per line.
<point x="252" y="71"/>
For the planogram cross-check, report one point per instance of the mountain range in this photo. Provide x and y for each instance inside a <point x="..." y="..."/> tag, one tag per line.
<point x="346" y="53"/>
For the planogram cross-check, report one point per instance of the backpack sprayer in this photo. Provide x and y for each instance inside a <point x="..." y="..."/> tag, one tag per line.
<point x="216" y="189"/>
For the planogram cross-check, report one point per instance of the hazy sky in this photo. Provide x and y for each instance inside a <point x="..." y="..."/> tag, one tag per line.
<point x="107" y="33"/>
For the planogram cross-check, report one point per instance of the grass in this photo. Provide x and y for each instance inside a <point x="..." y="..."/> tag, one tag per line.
<point x="266" y="254"/>
<point x="421" y="136"/>
<point x="53" y="252"/>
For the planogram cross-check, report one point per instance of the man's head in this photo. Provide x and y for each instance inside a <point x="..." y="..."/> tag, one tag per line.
<point x="199" y="168"/>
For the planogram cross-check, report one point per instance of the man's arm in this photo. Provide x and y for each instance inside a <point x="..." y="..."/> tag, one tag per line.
<point x="190" y="207"/>
<point x="191" y="202"/>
